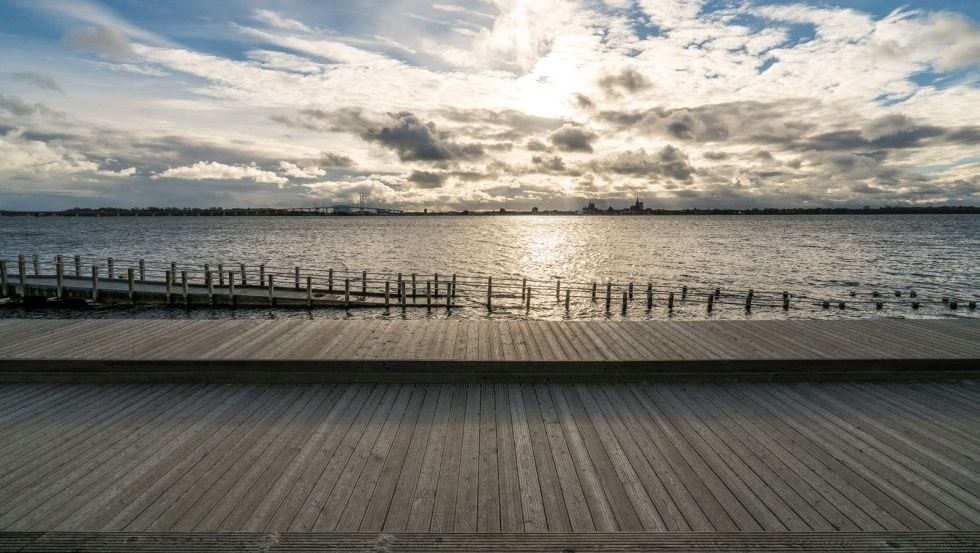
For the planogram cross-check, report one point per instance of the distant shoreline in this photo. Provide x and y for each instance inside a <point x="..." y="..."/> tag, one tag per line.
<point x="354" y="212"/>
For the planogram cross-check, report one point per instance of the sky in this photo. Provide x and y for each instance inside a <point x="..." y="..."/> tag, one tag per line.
<point x="484" y="104"/>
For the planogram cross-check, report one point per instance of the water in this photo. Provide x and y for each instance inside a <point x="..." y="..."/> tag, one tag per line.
<point x="820" y="257"/>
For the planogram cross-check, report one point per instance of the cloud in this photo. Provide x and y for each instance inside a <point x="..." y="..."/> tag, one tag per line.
<point x="23" y="158"/>
<point x="668" y="162"/>
<point x="628" y="80"/>
<point x="204" y="170"/>
<point x="572" y="138"/>
<point x="39" y="80"/>
<point x="289" y="169"/>
<point x="275" y="19"/>
<point x="405" y="133"/>
<point x="328" y="159"/>
<point x="106" y="40"/>
<point x="427" y="179"/>
<point x="549" y="163"/>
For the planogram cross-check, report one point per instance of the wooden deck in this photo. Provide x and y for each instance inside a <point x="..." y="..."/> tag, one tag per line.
<point x="492" y="458"/>
<point x="485" y="350"/>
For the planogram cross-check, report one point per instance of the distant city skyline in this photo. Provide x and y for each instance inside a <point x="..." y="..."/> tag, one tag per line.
<point x="487" y="104"/>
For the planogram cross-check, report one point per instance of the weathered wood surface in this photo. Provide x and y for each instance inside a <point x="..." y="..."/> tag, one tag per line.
<point x="491" y="458"/>
<point x="483" y="350"/>
<point x="877" y="542"/>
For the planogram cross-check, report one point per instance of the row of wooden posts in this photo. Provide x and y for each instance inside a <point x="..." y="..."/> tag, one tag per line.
<point x="400" y="292"/>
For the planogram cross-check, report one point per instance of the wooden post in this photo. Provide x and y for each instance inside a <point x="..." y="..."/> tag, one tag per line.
<point x="330" y="281"/>
<point x="428" y="296"/>
<point x="711" y="302"/>
<point x="558" y="290"/>
<point x="143" y="271"/>
<point x="683" y="292"/>
<point x="454" y="285"/>
<point x="387" y="301"/>
<point x="826" y="305"/>
<point x="568" y="300"/>
<point x="912" y="293"/>
<point x="624" y="303"/>
<point x="296" y="277"/>
<point x="631" y="291"/>
<point x="879" y="305"/>
<point x="593" y="291"/>
<point x="169" y="284"/>
<point x="953" y="305"/>
<point x="183" y="284"/>
<point x="231" y="288"/>
<point x="489" y="294"/>
<point x="272" y="290"/>
<point x="37" y="265"/>
<point x="22" y="274"/>
<point x="3" y="278"/>
<point x="207" y="273"/>
<point x="78" y="266"/>
<point x="221" y="275"/>
<point x="841" y="305"/>
<point x="241" y="267"/>
<point x="915" y="305"/>
<point x="309" y="292"/>
<point x="785" y="301"/>
<point x="649" y="296"/>
<point x="414" y="291"/>
<point x="670" y="302"/>
<point x="364" y="283"/>
<point x="523" y="289"/>
<point x="748" y="301"/>
<point x="972" y="305"/>
<point x="875" y="294"/>
<point x="209" y="279"/>
<point x="60" y="275"/>
<point x="347" y="294"/>
<point x="717" y="293"/>
<point x="435" y="285"/>
<point x="527" y="309"/>
<point x="95" y="283"/>
<point x="449" y="297"/>
<point x="130" y="281"/>
<point x="608" y="297"/>
<point x="898" y="294"/>
<point x="262" y="274"/>
<point x="112" y="267"/>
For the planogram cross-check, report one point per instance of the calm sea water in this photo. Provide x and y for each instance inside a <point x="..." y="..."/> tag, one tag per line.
<point x="821" y="257"/>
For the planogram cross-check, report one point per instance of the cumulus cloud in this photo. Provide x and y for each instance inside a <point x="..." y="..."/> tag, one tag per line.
<point x="290" y="169"/>
<point x="204" y="170"/>
<point x="668" y="162"/>
<point x="572" y="138"/>
<point x="23" y="158"/>
<point x="405" y="133"/>
<point x="427" y="179"/>
<point x="628" y="80"/>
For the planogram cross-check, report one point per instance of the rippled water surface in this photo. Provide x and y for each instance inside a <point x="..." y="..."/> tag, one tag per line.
<point x="820" y="257"/>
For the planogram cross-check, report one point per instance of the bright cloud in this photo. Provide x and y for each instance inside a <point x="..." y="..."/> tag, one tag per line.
<point x="492" y="103"/>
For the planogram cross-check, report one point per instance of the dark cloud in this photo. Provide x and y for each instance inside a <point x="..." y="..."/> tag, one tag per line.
<point x="716" y="156"/>
<point x="536" y="145"/>
<point x="584" y="102"/>
<point x="549" y="163"/>
<point x="106" y="40"/>
<point x="506" y="124"/>
<point x="412" y="138"/>
<point x="667" y="162"/>
<point x="572" y="138"/>
<point x="629" y="80"/>
<point x="428" y="179"/>
<point x="39" y="80"/>
<point x="328" y="159"/>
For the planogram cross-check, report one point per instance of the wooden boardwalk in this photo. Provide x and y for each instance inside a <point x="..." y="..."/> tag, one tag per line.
<point x="485" y="350"/>
<point x="492" y="458"/>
